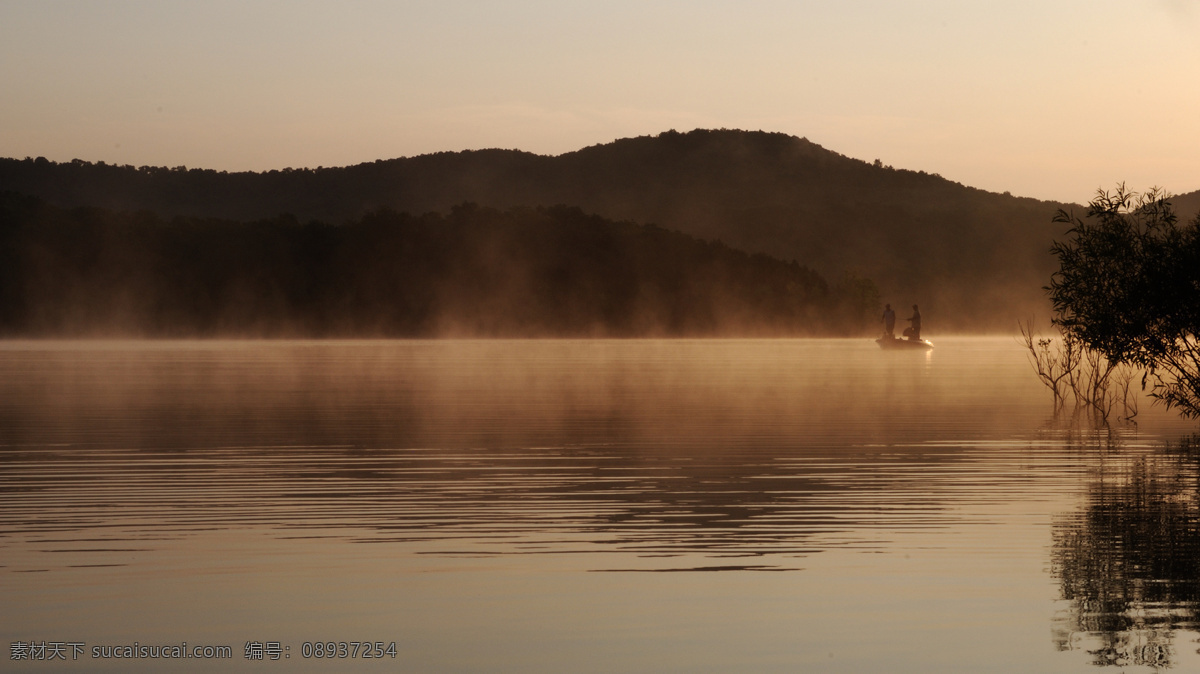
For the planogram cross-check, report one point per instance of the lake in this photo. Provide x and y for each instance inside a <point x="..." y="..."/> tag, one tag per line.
<point x="585" y="506"/>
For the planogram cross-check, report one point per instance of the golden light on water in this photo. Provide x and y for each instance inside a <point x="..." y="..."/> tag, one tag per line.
<point x="537" y="504"/>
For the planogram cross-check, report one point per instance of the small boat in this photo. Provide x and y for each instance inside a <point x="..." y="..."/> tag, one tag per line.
<point x="886" y="342"/>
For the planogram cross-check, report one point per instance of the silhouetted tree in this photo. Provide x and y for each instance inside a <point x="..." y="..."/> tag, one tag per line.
<point x="1128" y="286"/>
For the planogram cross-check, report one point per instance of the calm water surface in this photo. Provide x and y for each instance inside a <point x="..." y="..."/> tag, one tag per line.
<point x="624" y="505"/>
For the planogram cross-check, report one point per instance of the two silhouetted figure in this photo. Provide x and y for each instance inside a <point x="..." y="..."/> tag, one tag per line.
<point x="912" y="332"/>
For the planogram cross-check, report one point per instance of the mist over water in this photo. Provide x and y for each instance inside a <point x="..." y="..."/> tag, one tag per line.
<point x="595" y="505"/>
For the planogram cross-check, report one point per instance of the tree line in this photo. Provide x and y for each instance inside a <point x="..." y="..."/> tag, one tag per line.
<point x="474" y="271"/>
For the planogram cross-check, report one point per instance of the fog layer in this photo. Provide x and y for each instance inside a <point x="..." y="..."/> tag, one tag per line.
<point x="477" y="272"/>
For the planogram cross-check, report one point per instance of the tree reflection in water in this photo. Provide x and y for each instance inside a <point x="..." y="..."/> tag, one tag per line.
<point x="1129" y="562"/>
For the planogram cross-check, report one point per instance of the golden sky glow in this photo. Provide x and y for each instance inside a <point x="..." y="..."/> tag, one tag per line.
<point x="1049" y="98"/>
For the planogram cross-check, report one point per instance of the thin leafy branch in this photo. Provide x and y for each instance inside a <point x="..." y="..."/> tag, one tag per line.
<point x="1075" y="373"/>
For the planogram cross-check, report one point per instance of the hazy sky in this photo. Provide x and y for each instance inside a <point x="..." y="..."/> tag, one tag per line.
<point x="1047" y="98"/>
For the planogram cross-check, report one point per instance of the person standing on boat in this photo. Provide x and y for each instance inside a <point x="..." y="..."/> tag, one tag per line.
<point x="889" y="321"/>
<point x="915" y="319"/>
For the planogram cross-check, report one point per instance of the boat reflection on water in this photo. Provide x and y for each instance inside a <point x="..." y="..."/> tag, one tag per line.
<point x="1128" y="563"/>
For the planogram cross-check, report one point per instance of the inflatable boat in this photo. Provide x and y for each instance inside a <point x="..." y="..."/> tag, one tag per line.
<point x="886" y="342"/>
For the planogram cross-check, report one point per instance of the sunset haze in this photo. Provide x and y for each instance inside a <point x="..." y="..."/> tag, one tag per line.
<point x="1048" y="100"/>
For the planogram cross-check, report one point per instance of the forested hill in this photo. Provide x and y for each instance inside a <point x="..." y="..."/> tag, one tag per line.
<point x="474" y="272"/>
<point x="972" y="259"/>
<point x="1187" y="206"/>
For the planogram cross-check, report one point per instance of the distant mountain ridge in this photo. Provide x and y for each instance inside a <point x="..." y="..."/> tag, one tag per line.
<point x="972" y="259"/>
